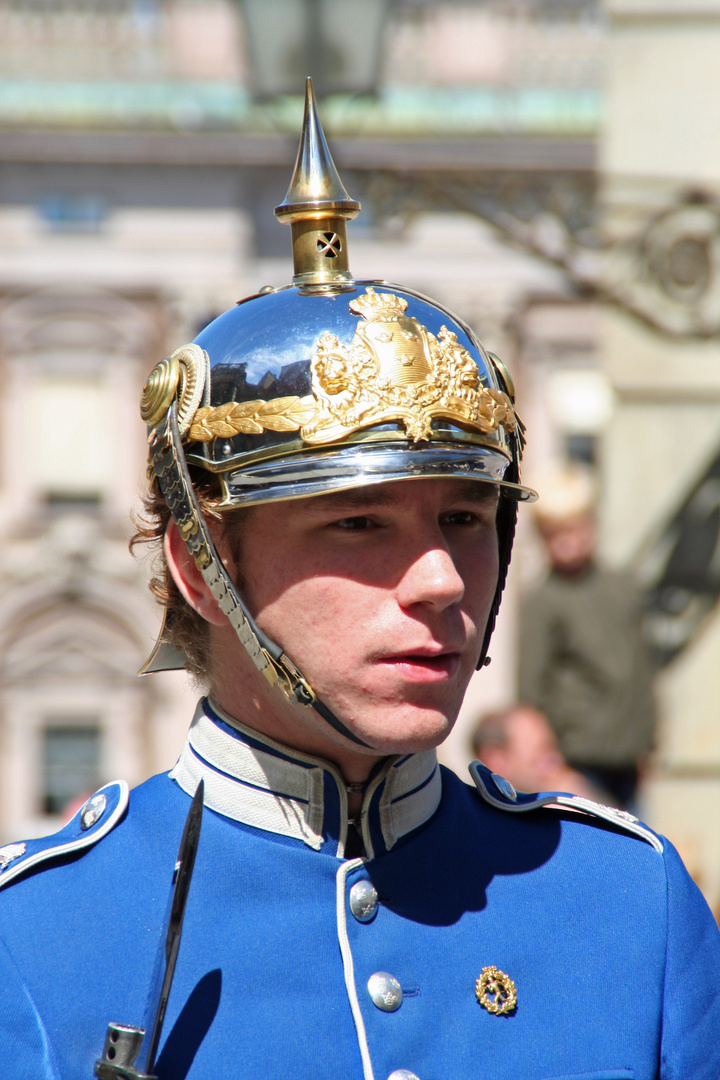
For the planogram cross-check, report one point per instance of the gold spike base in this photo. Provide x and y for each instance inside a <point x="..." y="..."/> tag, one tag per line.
<point x="320" y="250"/>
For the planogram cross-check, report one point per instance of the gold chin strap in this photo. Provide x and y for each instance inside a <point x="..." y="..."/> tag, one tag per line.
<point x="168" y="463"/>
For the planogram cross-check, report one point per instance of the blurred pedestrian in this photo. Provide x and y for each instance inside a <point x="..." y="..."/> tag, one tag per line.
<point x="583" y="661"/>
<point x="519" y="744"/>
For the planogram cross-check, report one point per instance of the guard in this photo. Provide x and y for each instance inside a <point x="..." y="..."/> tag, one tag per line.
<point x="335" y="482"/>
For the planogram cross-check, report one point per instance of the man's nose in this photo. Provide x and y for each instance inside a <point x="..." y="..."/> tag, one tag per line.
<point x="430" y="577"/>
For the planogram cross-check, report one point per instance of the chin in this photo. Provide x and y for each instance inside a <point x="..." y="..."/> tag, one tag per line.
<point x="405" y="734"/>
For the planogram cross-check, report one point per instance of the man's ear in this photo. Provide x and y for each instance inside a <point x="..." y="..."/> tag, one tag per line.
<point x="188" y="578"/>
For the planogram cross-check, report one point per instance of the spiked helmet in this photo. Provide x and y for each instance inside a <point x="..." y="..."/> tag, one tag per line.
<point x="325" y="384"/>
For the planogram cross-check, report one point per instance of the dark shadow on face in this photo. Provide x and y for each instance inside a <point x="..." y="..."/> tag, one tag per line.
<point x="190" y="1028"/>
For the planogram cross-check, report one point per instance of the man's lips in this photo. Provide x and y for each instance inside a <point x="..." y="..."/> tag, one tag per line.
<point x="424" y="664"/>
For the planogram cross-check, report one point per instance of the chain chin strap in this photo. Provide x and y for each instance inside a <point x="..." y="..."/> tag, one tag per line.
<point x="168" y="463"/>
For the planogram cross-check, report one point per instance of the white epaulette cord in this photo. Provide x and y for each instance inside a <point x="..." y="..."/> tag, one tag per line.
<point x="499" y="792"/>
<point x="96" y="818"/>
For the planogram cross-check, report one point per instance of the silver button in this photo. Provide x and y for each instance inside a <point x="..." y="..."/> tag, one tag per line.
<point x="92" y="811"/>
<point x="363" y="901"/>
<point x="385" y="991"/>
<point x="505" y="787"/>
<point x="402" y="1074"/>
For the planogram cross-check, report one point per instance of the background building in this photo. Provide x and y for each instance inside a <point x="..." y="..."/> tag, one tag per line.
<point x="533" y="164"/>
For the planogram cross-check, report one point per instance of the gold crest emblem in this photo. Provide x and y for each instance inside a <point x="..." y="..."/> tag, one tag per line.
<point x="496" y="991"/>
<point x="394" y="369"/>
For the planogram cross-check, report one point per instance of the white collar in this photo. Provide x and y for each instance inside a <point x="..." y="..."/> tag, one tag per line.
<point x="253" y="779"/>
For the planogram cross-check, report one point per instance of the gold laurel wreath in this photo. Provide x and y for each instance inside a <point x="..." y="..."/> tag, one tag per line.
<point x="292" y="413"/>
<point x="251" y="418"/>
<point x="492" y="981"/>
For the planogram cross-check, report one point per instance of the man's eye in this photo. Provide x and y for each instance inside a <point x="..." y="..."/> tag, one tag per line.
<point x="353" y="524"/>
<point x="470" y="518"/>
<point x="461" y="517"/>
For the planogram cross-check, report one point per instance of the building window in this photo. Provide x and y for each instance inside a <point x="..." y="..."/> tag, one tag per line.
<point x="73" y="213"/>
<point x="58" y="503"/>
<point x="71" y="763"/>
<point x="70" y="453"/>
<point x="581" y="448"/>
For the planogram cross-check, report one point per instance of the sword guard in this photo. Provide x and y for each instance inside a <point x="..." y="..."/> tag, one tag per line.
<point x="122" y="1046"/>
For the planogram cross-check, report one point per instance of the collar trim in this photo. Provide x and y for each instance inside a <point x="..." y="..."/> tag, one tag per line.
<point x="281" y="790"/>
<point x="250" y="785"/>
<point x="412" y="793"/>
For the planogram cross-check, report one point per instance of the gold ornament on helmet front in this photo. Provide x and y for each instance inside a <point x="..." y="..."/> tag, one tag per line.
<point x="251" y="418"/>
<point x="394" y="369"/>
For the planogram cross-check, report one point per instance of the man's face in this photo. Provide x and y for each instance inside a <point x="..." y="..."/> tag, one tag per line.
<point x="570" y="543"/>
<point x="380" y="596"/>
<point x="530" y="759"/>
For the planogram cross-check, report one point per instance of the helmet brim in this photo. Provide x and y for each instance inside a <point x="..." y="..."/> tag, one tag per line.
<point x="301" y="476"/>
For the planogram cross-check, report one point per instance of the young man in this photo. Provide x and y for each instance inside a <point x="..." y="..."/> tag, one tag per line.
<point x="336" y="471"/>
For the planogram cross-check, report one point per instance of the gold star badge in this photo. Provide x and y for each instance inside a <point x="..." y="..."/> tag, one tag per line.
<point x="496" y="991"/>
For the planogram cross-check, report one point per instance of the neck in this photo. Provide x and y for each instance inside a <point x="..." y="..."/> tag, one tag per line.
<point x="298" y="728"/>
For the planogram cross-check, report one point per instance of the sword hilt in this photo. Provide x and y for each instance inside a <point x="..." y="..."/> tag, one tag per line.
<point x="122" y="1046"/>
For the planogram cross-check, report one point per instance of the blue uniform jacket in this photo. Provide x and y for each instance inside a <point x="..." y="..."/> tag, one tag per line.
<point x="614" y="955"/>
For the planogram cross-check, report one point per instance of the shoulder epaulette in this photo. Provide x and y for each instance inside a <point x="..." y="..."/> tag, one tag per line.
<point x="499" y="792"/>
<point x="95" y="818"/>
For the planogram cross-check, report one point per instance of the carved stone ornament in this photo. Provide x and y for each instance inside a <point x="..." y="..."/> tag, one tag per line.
<point x="667" y="273"/>
<point x="496" y="991"/>
<point x="394" y="369"/>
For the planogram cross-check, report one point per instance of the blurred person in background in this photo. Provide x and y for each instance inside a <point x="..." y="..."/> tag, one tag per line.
<point x="583" y="660"/>
<point x="519" y="744"/>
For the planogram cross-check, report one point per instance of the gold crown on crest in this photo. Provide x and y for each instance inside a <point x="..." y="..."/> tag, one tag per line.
<point x="372" y="305"/>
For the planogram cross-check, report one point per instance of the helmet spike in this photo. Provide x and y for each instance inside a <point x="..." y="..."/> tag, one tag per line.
<point x="317" y="206"/>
